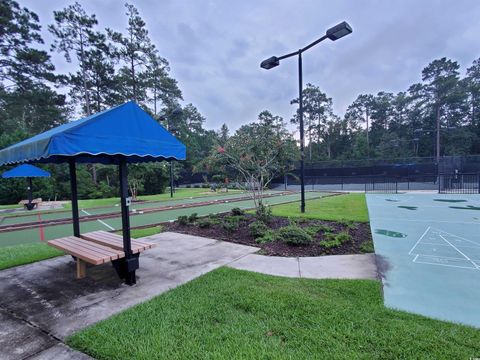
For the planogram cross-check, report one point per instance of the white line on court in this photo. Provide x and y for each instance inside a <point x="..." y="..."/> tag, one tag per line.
<point x="473" y="242"/>
<point x="430" y="221"/>
<point x="100" y="221"/>
<point x="421" y="237"/>
<point x="445" y="265"/>
<point x="466" y="257"/>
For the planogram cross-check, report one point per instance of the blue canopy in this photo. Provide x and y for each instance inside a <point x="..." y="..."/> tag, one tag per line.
<point x="25" y="170"/>
<point x="100" y="138"/>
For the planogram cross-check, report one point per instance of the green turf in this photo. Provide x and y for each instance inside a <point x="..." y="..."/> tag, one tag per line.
<point x="11" y="206"/>
<point x="254" y="316"/>
<point x="25" y="254"/>
<point x="351" y="207"/>
<point x="180" y="193"/>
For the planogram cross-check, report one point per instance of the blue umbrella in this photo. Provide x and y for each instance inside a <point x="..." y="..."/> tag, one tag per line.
<point x="26" y="171"/>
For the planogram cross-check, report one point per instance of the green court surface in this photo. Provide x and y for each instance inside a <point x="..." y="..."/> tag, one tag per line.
<point x="428" y="252"/>
<point x="52" y="232"/>
<point x="53" y="215"/>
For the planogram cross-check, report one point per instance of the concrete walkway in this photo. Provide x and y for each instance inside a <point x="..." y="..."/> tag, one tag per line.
<point x="42" y="303"/>
<point x="319" y="267"/>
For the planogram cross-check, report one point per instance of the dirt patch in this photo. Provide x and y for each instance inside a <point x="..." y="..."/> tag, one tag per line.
<point x="360" y="237"/>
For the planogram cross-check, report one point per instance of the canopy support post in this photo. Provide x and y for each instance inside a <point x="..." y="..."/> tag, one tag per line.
<point x="29" y="192"/>
<point x="73" y="187"/>
<point x="126" y="267"/>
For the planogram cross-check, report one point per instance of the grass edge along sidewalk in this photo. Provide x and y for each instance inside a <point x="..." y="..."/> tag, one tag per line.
<point x="256" y="316"/>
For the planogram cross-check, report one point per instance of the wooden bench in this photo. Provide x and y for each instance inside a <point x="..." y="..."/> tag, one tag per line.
<point x="96" y="248"/>
<point x="115" y="241"/>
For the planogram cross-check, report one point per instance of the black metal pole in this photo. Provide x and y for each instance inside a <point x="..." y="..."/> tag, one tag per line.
<point x="30" y="197"/>
<point x="131" y="262"/>
<point x="302" y="137"/>
<point x="74" y="195"/>
<point x="171" y="178"/>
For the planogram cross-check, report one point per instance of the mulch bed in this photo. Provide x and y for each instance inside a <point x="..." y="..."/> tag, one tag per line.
<point x="360" y="233"/>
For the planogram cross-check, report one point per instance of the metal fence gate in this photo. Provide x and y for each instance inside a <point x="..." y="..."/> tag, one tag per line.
<point x="459" y="184"/>
<point x="382" y="185"/>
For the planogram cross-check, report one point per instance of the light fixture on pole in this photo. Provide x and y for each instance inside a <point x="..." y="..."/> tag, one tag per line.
<point x="334" y="33"/>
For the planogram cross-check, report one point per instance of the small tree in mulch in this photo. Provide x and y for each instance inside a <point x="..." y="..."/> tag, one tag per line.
<point x="256" y="154"/>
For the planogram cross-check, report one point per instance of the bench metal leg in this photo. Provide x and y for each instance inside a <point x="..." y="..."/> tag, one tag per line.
<point x="126" y="268"/>
<point x="81" y="269"/>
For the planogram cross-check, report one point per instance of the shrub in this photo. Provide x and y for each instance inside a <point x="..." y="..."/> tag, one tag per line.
<point x="237" y="211"/>
<point x="182" y="220"/>
<point x="264" y="213"/>
<point x="257" y="229"/>
<point x="230" y="225"/>
<point x="193" y="217"/>
<point x="367" y="247"/>
<point x="294" y="235"/>
<point x="188" y="186"/>
<point x="204" y="223"/>
<point x="206" y="186"/>
<point x="267" y="237"/>
<point x="349" y="224"/>
<point x="334" y="240"/>
<point x="325" y="228"/>
<point x="196" y="186"/>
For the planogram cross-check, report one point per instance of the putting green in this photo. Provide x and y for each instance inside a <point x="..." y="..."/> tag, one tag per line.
<point x="52" y="232"/>
<point x="428" y="251"/>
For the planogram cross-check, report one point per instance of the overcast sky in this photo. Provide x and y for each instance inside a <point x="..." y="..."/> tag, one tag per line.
<point x="215" y="47"/>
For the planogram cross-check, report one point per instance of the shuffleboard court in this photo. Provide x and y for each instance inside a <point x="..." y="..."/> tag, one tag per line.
<point x="428" y="250"/>
<point x="61" y="214"/>
<point x="17" y="237"/>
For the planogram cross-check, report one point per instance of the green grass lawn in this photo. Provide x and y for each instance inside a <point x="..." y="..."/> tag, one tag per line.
<point x="139" y="233"/>
<point x="25" y="254"/>
<point x="351" y="207"/>
<point x="233" y="314"/>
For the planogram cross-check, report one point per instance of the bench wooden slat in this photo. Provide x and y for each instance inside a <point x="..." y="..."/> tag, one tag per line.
<point x="87" y="254"/>
<point x="115" y="241"/>
<point x="106" y="251"/>
<point x="90" y="252"/>
<point x="114" y="244"/>
<point x="76" y="252"/>
<point x="120" y="238"/>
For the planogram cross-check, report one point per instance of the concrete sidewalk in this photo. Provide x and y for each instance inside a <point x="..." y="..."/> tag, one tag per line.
<point x="42" y="303"/>
<point x="319" y="267"/>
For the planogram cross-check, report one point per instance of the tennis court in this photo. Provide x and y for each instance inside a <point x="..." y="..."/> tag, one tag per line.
<point x="428" y="248"/>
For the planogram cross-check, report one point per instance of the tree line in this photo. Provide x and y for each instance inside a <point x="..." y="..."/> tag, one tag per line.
<point x="111" y="66"/>
<point x="388" y="125"/>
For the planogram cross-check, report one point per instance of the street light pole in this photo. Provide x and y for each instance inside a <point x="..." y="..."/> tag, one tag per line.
<point x="302" y="133"/>
<point x="334" y="33"/>
<point x="176" y="111"/>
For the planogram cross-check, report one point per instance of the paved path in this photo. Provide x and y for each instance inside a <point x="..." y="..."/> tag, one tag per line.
<point x="42" y="303"/>
<point x="320" y="267"/>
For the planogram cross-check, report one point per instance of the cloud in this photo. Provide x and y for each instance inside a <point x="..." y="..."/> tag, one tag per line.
<point x="215" y="47"/>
